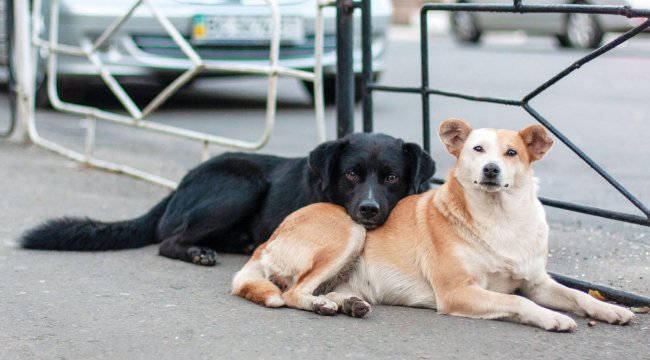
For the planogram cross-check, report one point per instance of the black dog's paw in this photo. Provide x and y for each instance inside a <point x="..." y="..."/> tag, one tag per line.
<point x="356" y="307"/>
<point x="202" y="256"/>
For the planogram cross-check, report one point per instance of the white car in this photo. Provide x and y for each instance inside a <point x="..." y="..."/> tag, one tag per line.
<point x="218" y="29"/>
<point x="571" y="30"/>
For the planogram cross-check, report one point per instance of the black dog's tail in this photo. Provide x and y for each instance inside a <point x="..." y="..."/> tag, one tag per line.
<point x="83" y="234"/>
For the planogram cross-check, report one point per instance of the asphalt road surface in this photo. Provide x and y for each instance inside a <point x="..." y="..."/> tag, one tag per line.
<point x="134" y="304"/>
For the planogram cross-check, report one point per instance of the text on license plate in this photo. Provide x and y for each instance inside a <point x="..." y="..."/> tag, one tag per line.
<point x="245" y="28"/>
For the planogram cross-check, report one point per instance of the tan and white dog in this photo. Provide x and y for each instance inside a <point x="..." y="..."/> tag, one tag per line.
<point x="463" y="248"/>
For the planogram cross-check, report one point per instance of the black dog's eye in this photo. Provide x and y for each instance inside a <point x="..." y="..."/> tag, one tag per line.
<point x="478" y="148"/>
<point x="511" y="152"/>
<point x="352" y="176"/>
<point x="392" y="178"/>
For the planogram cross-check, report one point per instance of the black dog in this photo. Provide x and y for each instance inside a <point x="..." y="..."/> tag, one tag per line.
<point x="234" y="201"/>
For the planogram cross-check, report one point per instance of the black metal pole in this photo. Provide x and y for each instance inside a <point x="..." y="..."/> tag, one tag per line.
<point x="11" y="81"/>
<point x="424" y="89"/>
<point x="367" y="72"/>
<point x="611" y="294"/>
<point x="344" y="67"/>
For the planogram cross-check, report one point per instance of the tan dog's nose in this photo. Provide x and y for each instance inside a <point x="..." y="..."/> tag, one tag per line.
<point x="491" y="170"/>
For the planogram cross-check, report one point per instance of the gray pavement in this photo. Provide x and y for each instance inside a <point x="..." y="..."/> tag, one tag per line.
<point x="135" y="304"/>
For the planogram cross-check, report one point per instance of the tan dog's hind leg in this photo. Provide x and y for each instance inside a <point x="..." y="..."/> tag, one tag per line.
<point x="326" y="264"/>
<point x="475" y="302"/>
<point x="553" y="295"/>
<point x="312" y="245"/>
<point x="250" y="283"/>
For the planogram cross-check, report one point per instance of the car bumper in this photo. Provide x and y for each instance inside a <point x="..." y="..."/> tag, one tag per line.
<point x="141" y="47"/>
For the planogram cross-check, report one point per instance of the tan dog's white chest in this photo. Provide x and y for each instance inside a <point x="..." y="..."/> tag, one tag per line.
<point x="507" y="245"/>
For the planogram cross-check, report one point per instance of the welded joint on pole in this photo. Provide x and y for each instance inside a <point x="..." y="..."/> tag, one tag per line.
<point x="627" y="11"/>
<point x="347" y="5"/>
<point x="517" y="4"/>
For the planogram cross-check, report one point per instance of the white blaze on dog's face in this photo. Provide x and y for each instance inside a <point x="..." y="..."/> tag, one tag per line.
<point x="493" y="160"/>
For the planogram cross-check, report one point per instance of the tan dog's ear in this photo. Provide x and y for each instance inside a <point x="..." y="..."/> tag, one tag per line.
<point x="453" y="133"/>
<point x="537" y="141"/>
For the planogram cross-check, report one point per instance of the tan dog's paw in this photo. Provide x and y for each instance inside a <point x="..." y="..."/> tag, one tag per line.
<point x="611" y="313"/>
<point x="324" y="306"/>
<point x="356" y="307"/>
<point x="553" y="321"/>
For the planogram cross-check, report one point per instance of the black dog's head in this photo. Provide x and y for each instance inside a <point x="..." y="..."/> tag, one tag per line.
<point x="369" y="173"/>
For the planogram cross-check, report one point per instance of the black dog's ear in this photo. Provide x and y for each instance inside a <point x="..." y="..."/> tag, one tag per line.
<point x="323" y="159"/>
<point x="422" y="167"/>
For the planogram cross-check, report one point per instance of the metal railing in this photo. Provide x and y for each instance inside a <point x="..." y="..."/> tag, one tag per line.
<point x="346" y="89"/>
<point x="425" y="91"/>
<point x="137" y="117"/>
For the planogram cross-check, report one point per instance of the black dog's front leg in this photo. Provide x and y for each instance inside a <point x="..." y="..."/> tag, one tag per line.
<point x="207" y="209"/>
<point x="173" y="248"/>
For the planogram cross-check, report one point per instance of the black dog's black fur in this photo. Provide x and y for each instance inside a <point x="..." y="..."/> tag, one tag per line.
<point x="234" y="201"/>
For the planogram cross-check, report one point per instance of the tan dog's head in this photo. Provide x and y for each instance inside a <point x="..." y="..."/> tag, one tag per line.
<point x="493" y="160"/>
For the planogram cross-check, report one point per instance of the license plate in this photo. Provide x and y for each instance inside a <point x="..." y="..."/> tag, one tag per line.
<point x="242" y="29"/>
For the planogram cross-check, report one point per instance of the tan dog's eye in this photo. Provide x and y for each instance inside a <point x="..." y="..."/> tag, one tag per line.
<point x="352" y="176"/>
<point x="511" y="153"/>
<point x="478" y="148"/>
<point x="392" y="178"/>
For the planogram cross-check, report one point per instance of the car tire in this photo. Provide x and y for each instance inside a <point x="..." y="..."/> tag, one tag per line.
<point x="465" y="27"/>
<point x="329" y="88"/>
<point x="582" y="31"/>
<point x="562" y="41"/>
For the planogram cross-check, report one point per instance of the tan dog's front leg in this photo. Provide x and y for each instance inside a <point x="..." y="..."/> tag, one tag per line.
<point x="301" y="299"/>
<point x="349" y="302"/>
<point x="549" y="293"/>
<point x="476" y="302"/>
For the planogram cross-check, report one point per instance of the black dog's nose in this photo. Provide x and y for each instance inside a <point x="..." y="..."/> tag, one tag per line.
<point x="491" y="170"/>
<point x="369" y="209"/>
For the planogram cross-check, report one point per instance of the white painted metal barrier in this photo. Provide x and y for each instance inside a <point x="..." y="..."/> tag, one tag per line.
<point x="25" y="71"/>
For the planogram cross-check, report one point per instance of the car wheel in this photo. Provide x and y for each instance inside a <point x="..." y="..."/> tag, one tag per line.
<point x="563" y="41"/>
<point x="465" y="27"/>
<point x="329" y="88"/>
<point x="582" y="31"/>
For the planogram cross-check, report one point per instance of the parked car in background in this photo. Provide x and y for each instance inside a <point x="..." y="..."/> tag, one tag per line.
<point x="582" y="31"/>
<point x="218" y="29"/>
